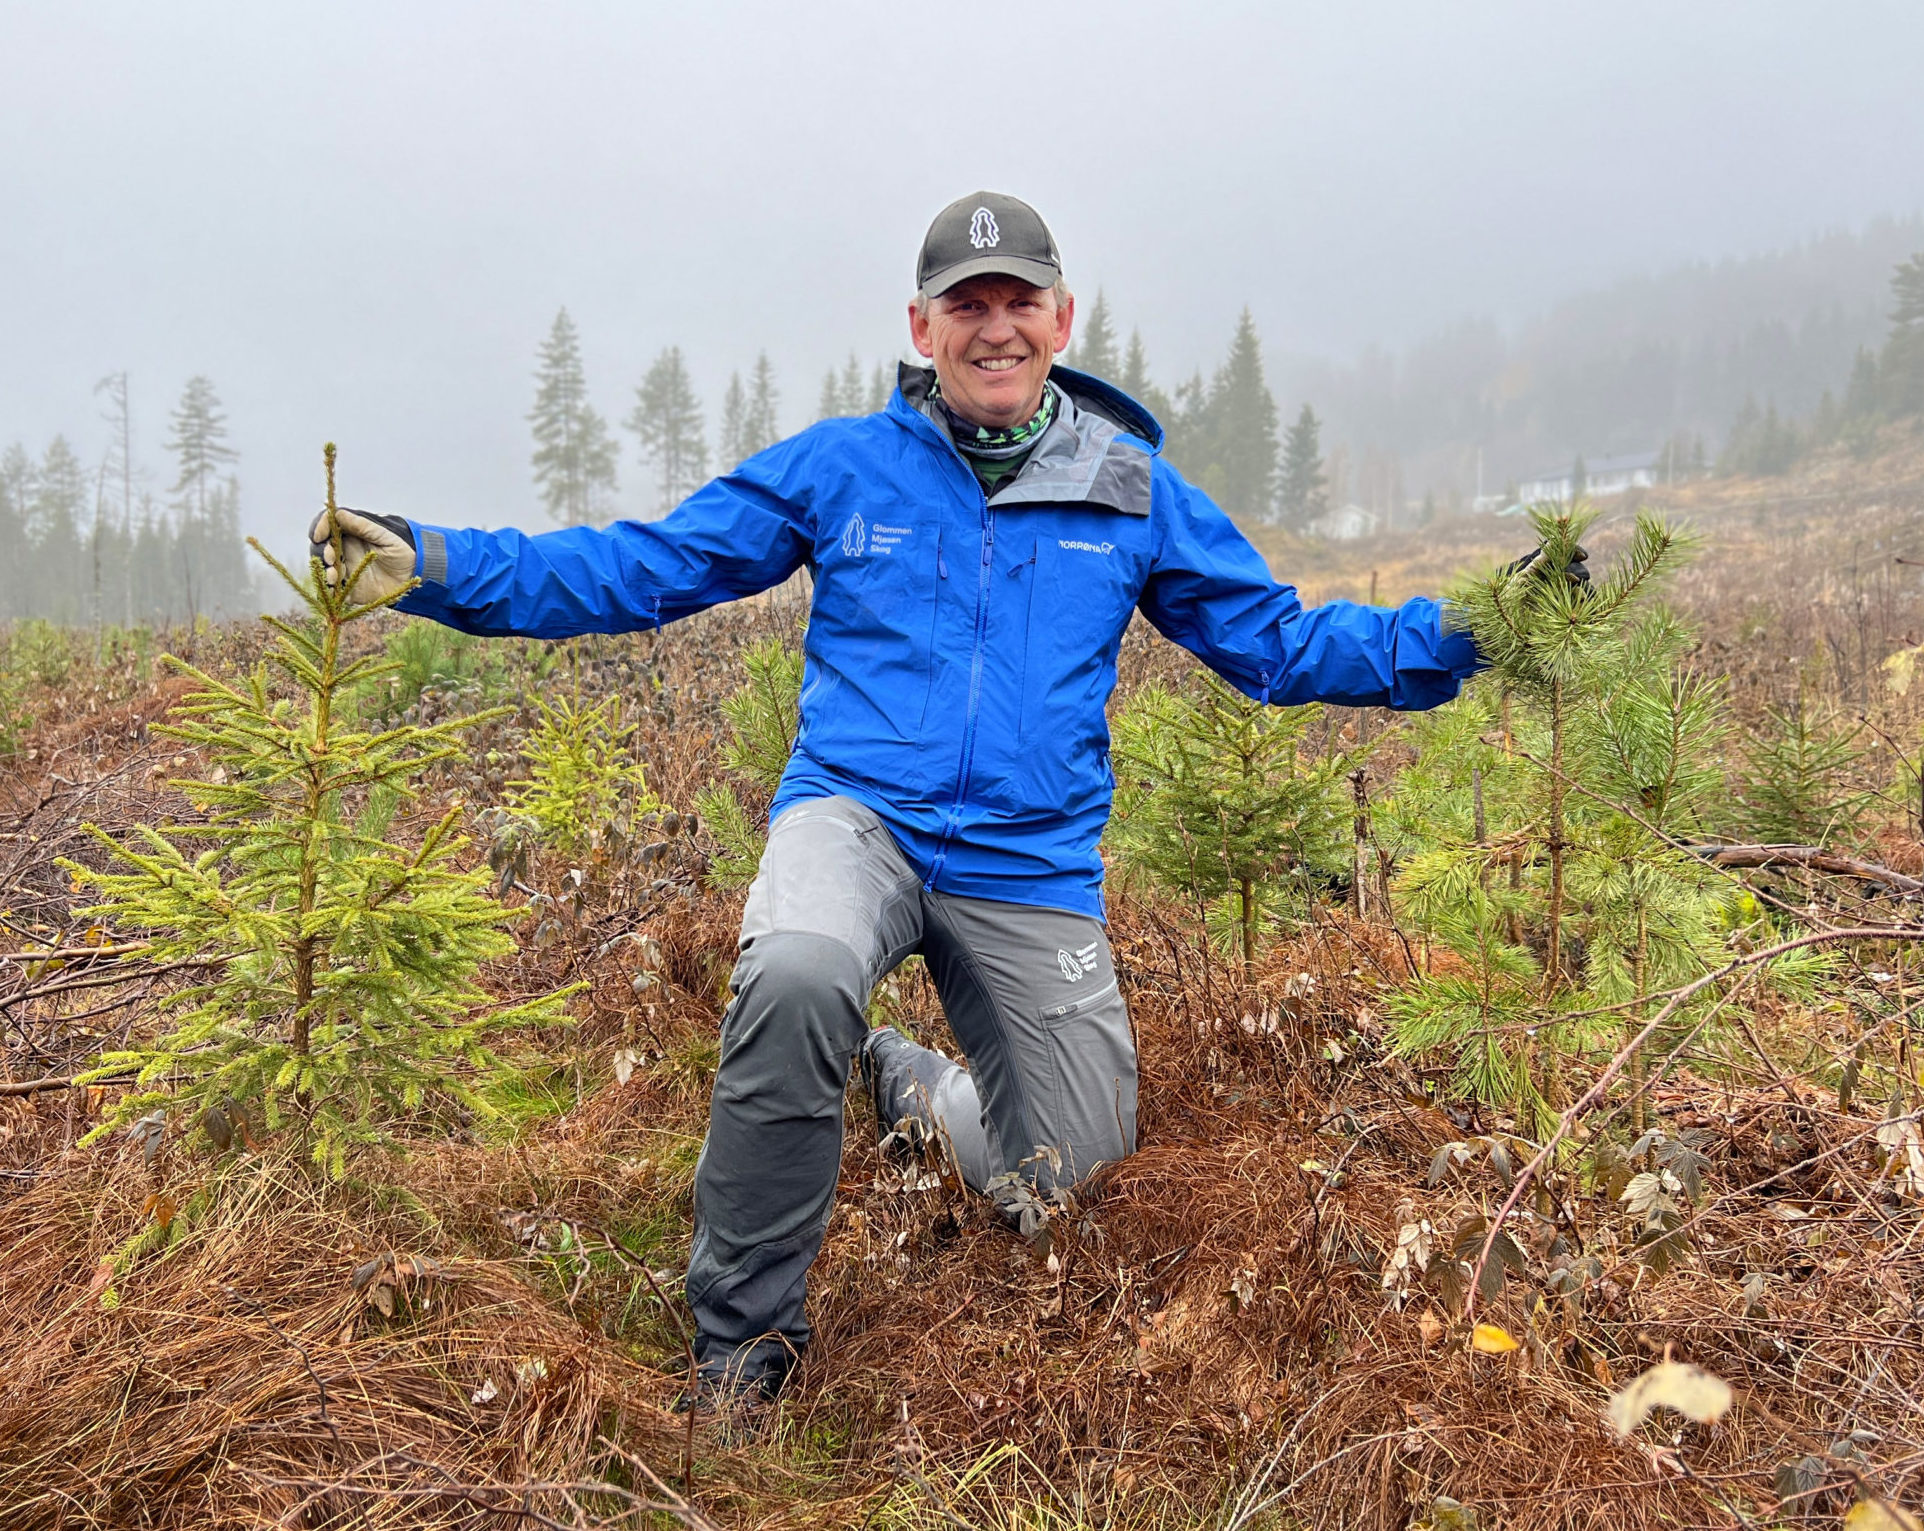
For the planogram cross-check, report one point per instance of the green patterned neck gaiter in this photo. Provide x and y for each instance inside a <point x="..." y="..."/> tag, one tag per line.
<point x="981" y="442"/>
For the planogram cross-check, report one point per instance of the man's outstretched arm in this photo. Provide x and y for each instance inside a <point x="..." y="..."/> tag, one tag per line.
<point x="1211" y="592"/>
<point x="736" y="535"/>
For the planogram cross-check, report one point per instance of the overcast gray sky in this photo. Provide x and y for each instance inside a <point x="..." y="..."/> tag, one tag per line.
<point x="359" y="219"/>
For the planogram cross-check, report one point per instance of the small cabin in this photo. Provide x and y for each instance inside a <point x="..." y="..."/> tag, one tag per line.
<point x="1607" y="475"/>
<point x="1346" y="523"/>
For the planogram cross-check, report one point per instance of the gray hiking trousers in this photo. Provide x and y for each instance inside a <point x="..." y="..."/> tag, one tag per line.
<point x="1030" y="994"/>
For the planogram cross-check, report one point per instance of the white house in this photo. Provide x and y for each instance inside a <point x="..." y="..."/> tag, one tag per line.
<point x="1607" y="475"/>
<point x="1346" y="524"/>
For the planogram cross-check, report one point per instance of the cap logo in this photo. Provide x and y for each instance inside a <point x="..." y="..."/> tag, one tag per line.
<point x="983" y="230"/>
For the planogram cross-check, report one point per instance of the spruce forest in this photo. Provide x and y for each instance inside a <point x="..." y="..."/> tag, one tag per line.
<point x="1532" y="1122"/>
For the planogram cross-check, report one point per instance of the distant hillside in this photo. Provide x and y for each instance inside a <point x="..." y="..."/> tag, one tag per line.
<point x="1807" y="562"/>
<point x="1620" y="369"/>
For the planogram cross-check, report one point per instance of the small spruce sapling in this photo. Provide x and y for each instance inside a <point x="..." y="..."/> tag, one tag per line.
<point x="582" y="781"/>
<point x="1214" y="800"/>
<point x="764" y="716"/>
<point x="340" y="966"/>
<point x="1801" y="779"/>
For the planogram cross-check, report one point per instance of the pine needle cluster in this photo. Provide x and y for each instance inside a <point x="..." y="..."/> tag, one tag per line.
<point x="340" y="966"/>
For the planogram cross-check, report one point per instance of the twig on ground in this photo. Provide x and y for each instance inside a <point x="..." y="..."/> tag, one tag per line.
<point x="1594" y="1096"/>
<point x="10" y="1087"/>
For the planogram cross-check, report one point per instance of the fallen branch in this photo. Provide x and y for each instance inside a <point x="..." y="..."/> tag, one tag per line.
<point x="60" y="1082"/>
<point x="1815" y="857"/>
<point x="75" y="953"/>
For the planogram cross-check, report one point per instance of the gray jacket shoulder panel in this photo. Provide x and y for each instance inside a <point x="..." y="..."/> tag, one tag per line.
<point x="1085" y="459"/>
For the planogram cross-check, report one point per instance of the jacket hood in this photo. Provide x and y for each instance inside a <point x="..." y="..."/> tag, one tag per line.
<point x="1088" y="393"/>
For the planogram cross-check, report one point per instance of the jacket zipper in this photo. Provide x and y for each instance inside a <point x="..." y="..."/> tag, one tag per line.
<point x="975" y="674"/>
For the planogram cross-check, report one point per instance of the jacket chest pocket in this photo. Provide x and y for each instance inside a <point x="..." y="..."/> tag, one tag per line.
<point x="880" y="607"/>
<point x="1083" y="594"/>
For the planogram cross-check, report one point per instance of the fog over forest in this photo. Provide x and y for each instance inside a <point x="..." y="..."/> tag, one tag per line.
<point x="1498" y="230"/>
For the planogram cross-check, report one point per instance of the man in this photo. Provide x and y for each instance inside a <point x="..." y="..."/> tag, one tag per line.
<point x="977" y="549"/>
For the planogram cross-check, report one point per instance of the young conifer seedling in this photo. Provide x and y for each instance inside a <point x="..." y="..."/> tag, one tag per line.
<point x="1541" y="825"/>
<point x="764" y="716"/>
<point x="340" y="989"/>
<point x="582" y="778"/>
<point x="1215" y="801"/>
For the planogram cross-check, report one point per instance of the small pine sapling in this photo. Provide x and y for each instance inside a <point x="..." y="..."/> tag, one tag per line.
<point x="1551" y="642"/>
<point x="340" y="989"/>
<point x="1604" y="753"/>
<point x="764" y="717"/>
<point x="1214" y="800"/>
<point x="1456" y="824"/>
<point x="1652" y="914"/>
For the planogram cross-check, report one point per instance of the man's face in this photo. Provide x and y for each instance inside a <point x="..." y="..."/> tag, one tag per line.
<point x="992" y="340"/>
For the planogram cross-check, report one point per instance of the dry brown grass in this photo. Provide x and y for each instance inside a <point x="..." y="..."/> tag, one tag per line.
<point x="211" y="1381"/>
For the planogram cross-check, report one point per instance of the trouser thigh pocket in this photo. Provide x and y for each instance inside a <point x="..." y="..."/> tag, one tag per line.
<point x="1093" y="1060"/>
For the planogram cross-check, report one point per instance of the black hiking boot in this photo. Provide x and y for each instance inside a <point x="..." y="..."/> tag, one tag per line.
<point x="736" y="1397"/>
<point x="900" y="1132"/>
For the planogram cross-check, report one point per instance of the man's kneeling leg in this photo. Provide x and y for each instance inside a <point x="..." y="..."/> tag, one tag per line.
<point x="834" y="906"/>
<point x="766" y="1178"/>
<point x="1031" y="994"/>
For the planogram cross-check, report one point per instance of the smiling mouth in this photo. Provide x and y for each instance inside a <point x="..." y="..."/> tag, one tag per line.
<point x="995" y="364"/>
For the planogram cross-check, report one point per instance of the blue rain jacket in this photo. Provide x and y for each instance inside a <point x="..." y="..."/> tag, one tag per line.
<point x="961" y="649"/>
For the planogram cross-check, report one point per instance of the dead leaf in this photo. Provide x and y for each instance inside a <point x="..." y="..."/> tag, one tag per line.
<point x="527" y="1373"/>
<point x="161" y="1206"/>
<point x="1431" y="1328"/>
<point x="1880" y="1515"/>
<point x="1491" y="1340"/>
<point x="625" y="1060"/>
<point x="1899" y="670"/>
<point x="103" y="1276"/>
<point x="1690" y="1390"/>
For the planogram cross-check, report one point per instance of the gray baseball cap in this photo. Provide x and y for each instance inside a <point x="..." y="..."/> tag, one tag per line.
<point x="983" y="234"/>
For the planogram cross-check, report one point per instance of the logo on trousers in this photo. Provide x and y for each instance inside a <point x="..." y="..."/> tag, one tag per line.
<point x="854" y="536"/>
<point x="1076" y="964"/>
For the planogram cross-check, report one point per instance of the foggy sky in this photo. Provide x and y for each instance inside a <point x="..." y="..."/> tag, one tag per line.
<point x="360" y="219"/>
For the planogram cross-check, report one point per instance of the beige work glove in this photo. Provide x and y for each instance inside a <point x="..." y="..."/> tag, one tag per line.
<point x="388" y="538"/>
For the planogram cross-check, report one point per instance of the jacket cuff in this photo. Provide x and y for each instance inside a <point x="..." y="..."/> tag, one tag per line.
<point x="429" y="598"/>
<point x="1458" y="652"/>
<point x="430" y="553"/>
